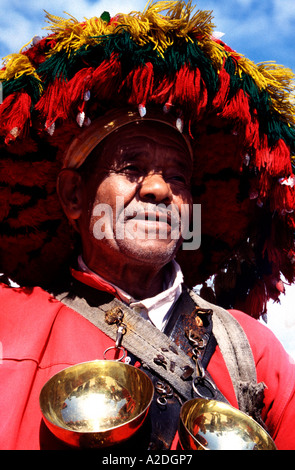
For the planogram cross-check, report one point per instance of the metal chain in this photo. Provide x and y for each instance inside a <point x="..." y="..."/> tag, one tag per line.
<point x="115" y="316"/>
<point x="198" y="347"/>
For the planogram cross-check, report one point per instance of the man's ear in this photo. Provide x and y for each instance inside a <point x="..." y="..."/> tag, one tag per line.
<point x="69" y="190"/>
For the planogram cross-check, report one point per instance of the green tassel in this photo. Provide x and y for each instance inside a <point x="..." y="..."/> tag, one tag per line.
<point x="57" y="66"/>
<point x="26" y="83"/>
<point x="198" y="59"/>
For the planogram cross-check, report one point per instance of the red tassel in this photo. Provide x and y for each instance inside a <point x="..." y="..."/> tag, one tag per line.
<point x="5" y="195"/>
<point x="280" y="161"/>
<point x="256" y="301"/>
<point x="43" y="211"/>
<point x="262" y="157"/>
<point x="189" y="87"/>
<point x="283" y="199"/>
<point x="251" y="132"/>
<point x="274" y="255"/>
<point x="291" y="256"/>
<point x="15" y="116"/>
<point x="224" y="86"/>
<point x="53" y="104"/>
<point x="274" y="160"/>
<point x="40" y="174"/>
<point x="106" y="79"/>
<point x="265" y="186"/>
<point x="37" y="54"/>
<point x="138" y="85"/>
<point x="79" y="84"/>
<point x="237" y="109"/>
<point x="161" y="92"/>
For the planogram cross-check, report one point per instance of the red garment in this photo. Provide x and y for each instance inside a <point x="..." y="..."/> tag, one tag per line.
<point x="40" y="336"/>
<point x="94" y="281"/>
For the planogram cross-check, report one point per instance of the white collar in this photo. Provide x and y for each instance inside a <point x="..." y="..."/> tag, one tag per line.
<point x="157" y="308"/>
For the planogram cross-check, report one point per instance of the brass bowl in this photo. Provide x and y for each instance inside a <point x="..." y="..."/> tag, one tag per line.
<point x="96" y="404"/>
<point x="214" y="425"/>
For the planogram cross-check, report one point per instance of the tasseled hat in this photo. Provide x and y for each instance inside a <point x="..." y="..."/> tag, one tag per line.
<point x="239" y="117"/>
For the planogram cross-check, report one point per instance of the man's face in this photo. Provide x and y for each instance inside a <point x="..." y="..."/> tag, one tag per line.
<point x="133" y="202"/>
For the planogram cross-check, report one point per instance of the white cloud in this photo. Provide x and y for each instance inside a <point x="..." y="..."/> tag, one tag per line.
<point x="284" y="13"/>
<point x="260" y="29"/>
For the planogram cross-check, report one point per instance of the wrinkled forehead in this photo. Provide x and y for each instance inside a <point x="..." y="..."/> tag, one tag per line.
<point x="146" y="138"/>
<point x="123" y="128"/>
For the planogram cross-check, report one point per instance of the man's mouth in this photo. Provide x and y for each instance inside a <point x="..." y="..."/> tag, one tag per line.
<point x="149" y="216"/>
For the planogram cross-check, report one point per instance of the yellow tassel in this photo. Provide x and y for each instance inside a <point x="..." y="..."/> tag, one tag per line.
<point x="214" y="51"/>
<point x="277" y="80"/>
<point x="70" y="34"/>
<point x="149" y="26"/>
<point x="17" y="65"/>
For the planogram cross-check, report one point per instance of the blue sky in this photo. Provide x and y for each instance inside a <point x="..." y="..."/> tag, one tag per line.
<point x="263" y="30"/>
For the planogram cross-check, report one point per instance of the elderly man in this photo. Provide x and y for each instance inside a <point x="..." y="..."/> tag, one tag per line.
<point x="135" y="141"/>
<point x="146" y="163"/>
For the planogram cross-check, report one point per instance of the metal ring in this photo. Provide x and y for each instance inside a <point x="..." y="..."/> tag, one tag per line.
<point x="114" y="347"/>
<point x="212" y="388"/>
<point x="160" y="387"/>
<point x="162" y="401"/>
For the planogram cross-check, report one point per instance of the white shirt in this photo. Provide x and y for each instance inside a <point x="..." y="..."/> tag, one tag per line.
<point x="156" y="309"/>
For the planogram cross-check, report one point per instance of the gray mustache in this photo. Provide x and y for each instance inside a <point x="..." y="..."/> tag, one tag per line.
<point x="153" y="212"/>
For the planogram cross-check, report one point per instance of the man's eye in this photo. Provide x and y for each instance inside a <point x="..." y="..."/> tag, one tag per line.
<point x="130" y="169"/>
<point x="178" y="178"/>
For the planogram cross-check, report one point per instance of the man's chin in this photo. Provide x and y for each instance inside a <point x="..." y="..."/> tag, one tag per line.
<point x="150" y="251"/>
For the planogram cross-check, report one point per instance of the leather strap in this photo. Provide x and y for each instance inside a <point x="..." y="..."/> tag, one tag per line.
<point x="238" y="356"/>
<point x="158" y="352"/>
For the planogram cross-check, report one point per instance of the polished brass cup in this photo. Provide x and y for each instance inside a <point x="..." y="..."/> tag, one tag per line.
<point x="214" y="425"/>
<point x="96" y="404"/>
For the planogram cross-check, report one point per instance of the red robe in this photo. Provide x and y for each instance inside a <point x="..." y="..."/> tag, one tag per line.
<point x="39" y="336"/>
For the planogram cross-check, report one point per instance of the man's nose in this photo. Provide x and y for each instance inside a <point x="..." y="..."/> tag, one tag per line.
<point x="154" y="188"/>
